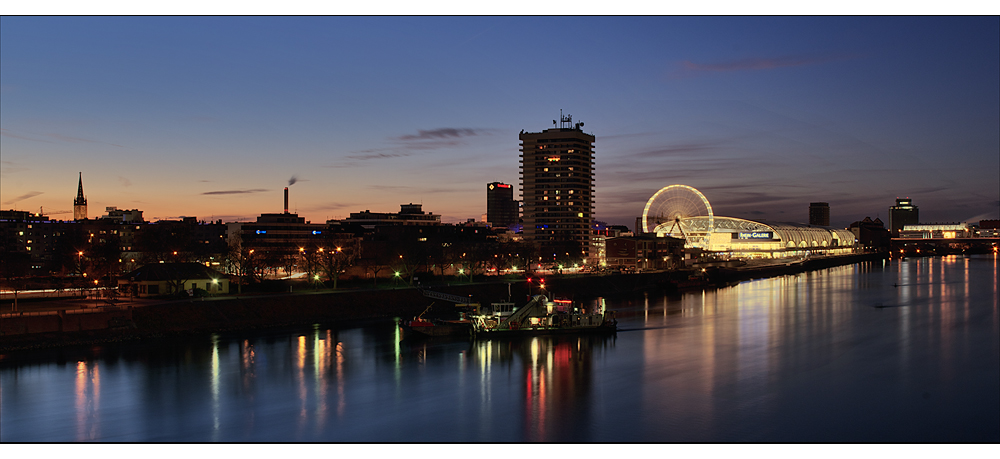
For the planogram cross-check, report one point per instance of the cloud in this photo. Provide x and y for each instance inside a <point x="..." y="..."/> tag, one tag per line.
<point x="233" y="192"/>
<point x="30" y="194"/>
<point x="78" y="140"/>
<point x="64" y="138"/>
<point x="11" y="167"/>
<point x="7" y="133"/>
<point x="441" y="133"/>
<point x="438" y="138"/>
<point x="124" y="181"/>
<point x="676" y="150"/>
<point x="688" y="68"/>
<point x="375" y="156"/>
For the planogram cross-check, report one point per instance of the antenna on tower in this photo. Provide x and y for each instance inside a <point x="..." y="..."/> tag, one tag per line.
<point x="565" y="121"/>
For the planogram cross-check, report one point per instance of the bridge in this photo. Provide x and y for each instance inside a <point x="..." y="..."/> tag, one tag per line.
<point x="944" y="246"/>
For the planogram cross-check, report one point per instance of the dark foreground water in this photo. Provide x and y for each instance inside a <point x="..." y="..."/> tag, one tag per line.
<point x="877" y="352"/>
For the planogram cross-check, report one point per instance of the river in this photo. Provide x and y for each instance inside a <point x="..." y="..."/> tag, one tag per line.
<point x="888" y="351"/>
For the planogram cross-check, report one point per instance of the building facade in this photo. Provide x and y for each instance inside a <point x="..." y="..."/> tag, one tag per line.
<point x="902" y="214"/>
<point x="557" y="190"/>
<point x="819" y="213"/>
<point x="501" y="208"/>
<point x="409" y="214"/>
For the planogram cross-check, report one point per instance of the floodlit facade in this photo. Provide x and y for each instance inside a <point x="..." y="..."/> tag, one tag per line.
<point x="741" y="238"/>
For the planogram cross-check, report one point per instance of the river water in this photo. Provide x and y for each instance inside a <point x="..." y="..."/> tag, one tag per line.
<point x="893" y="351"/>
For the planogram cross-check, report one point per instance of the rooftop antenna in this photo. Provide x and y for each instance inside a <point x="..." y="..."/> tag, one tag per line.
<point x="565" y="121"/>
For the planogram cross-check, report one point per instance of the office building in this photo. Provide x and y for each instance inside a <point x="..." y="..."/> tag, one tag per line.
<point x="557" y="190"/>
<point x="902" y="214"/>
<point x="501" y="208"/>
<point x="819" y="213"/>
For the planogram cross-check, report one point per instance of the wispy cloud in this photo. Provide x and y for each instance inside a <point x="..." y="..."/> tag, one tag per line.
<point x="7" y="133"/>
<point x="124" y="181"/>
<point x="367" y="156"/>
<point x="63" y="138"/>
<point x="28" y="195"/>
<point x="9" y="167"/>
<point x="438" y="138"/>
<point x="234" y="192"/>
<point x="689" y="68"/>
<point x="441" y="133"/>
<point x="676" y="150"/>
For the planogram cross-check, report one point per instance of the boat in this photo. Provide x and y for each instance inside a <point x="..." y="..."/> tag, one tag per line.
<point x="439" y="327"/>
<point x="539" y="317"/>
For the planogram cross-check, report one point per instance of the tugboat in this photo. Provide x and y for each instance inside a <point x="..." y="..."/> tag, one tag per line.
<point x="540" y="317"/>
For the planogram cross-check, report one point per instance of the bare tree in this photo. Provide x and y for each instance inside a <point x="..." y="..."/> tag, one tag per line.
<point x="336" y="260"/>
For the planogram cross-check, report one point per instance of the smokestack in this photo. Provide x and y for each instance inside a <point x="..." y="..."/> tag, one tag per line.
<point x="286" y="199"/>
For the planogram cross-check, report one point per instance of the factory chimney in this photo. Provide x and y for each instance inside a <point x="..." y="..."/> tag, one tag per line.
<point x="286" y="199"/>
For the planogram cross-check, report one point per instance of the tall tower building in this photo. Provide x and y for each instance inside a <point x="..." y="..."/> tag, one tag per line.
<point x="819" y="213"/>
<point x="80" y="203"/>
<point x="501" y="208"/>
<point x="903" y="213"/>
<point x="557" y="190"/>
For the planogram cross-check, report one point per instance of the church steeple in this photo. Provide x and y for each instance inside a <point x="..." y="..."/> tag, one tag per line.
<point x="80" y="203"/>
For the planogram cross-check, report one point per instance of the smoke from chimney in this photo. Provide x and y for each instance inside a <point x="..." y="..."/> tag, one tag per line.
<point x="291" y="181"/>
<point x="286" y="199"/>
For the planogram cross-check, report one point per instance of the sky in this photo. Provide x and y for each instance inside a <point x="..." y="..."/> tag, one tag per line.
<point x="213" y="116"/>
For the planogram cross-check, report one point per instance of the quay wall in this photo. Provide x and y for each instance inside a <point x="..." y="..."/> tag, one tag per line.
<point x="261" y="311"/>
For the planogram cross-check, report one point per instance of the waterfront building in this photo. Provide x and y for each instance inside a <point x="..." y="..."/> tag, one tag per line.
<point x="988" y="228"/>
<point x="871" y="234"/>
<point x="707" y="234"/>
<point x="902" y="214"/>
<point x="557" y="190"/>
<point x="819" y="213"/>
<point x="501" y="208"/>
<point x="644" y="252"/>
<point x="80" y="203"/>
<point x="935" y="231"/>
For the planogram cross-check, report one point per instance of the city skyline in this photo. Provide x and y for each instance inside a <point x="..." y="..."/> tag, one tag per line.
<point x="212" y="116"/>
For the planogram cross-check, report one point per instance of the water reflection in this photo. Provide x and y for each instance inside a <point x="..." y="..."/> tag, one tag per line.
<point x="796" y="358"/>
<point x="555" y="385"/>
<point x="88" y="401"/>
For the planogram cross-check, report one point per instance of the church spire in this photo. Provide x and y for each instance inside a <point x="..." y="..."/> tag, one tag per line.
<point x="80" y="203"/>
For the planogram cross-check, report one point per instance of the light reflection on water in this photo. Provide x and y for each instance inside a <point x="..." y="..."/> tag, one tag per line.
<point x="881" y="352"/>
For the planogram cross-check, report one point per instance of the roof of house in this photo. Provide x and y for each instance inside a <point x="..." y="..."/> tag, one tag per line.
<point x="173" y="271"/>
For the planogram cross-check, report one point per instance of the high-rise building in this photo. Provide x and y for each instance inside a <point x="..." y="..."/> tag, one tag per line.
<point x="501" y="208"/>
<point x="903" y="213"/>
<point x="557" y="190"/>
<point x="819" y="213"/>
<point x="80" y="203"/>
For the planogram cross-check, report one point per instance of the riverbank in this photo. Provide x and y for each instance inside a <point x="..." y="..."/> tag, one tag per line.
<point x="200" y="316"/>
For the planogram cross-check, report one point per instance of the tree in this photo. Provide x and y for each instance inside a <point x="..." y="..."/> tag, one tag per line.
<point x="336" y="260"/>
<point x="374" y="258"/>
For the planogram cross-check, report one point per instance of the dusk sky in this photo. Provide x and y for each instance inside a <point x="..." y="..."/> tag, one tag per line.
<point x="213" y="116"/>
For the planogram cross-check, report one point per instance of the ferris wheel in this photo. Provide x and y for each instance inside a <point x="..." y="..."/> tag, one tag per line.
<point x="679" y="211"/>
